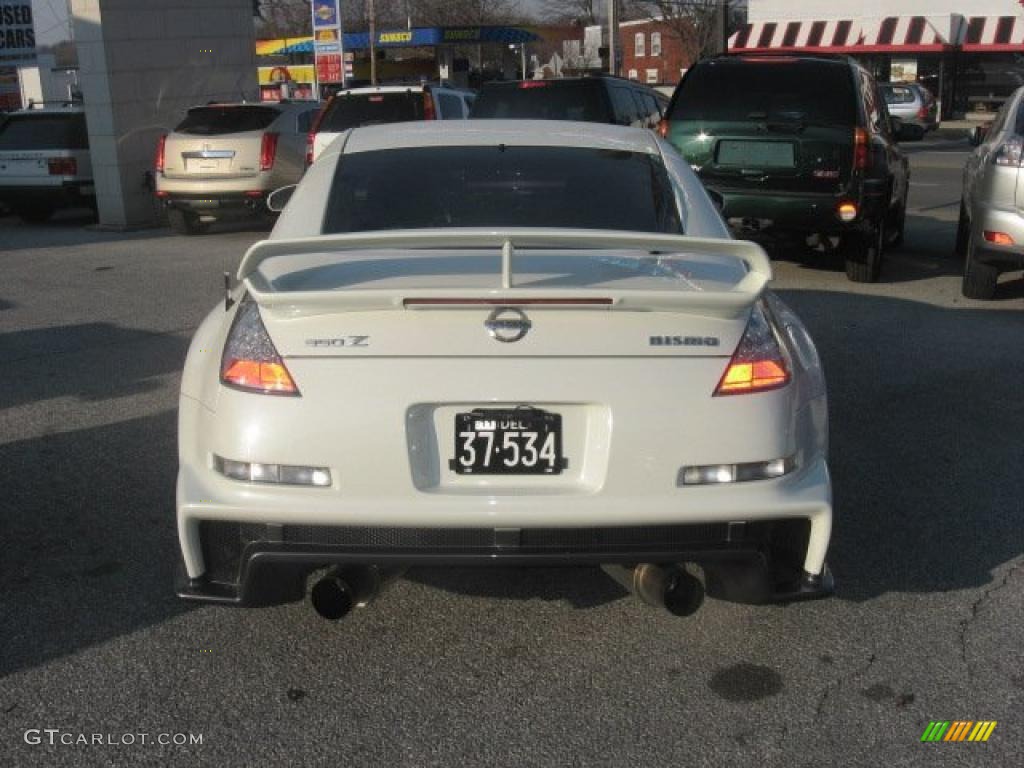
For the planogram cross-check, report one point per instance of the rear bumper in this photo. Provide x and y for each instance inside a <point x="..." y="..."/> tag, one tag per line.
<point x="783" y="212"/>
<point x="216" y="202"/>
<point x="1007" y="221"/>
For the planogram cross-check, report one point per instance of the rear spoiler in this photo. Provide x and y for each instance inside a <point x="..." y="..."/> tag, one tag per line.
<point x="728" y="302"/>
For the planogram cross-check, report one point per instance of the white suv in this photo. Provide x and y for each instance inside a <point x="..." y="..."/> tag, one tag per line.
<point x="44" y="161"/>
<point x="382" y="104"/>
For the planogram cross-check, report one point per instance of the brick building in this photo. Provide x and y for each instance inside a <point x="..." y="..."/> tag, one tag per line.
<point x="651" y="53"/>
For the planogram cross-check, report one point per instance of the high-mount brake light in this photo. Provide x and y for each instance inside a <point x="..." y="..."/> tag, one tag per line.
<point x="758" y="364"/>
<point x="250" y="361"/>
<point x="161" y="148"/>
<point x="268" y="151"/>
<point x="533" y="84"/>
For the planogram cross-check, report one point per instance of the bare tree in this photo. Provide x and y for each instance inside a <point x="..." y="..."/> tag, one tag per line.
<point x="581" y="12"/>
<point x="692" y="22"/>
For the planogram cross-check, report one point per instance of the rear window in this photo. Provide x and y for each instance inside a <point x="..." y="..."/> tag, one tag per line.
<point x="897" y="94"/>
<point x="427" y="187"/>
<point x="543" y="100"/>
<point x="351" y="110"/>
<point x="214" y="121"/>
<point x="735" y="91"/>
<point x="43" y="132"/>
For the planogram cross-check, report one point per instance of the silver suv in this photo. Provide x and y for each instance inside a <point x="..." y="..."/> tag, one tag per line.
<point x="224" y="159"/>
<point x="914" y="105"/>
<point x="990" y="234"/>
<point x="44" y="161"/>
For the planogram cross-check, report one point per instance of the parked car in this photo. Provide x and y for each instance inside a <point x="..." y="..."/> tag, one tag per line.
<point x="384" y="104"/>
<point x="990" y="234"/>
<point x="44" y="161"/>
<point x="796" y="147"/>
<point x="502" y="342"/>
<point x="224" y="159"/>
<point x="915" y="107"/>
<point x="596" y="98"/>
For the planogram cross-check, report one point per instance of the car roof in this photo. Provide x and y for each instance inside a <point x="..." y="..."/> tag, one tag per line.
<point x="477" y="133"/>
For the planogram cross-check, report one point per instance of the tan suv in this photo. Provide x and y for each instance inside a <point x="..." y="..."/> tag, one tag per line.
<point x="224" y="159"/>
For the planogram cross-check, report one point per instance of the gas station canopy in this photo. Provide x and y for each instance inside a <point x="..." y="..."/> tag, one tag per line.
<point x="413" y="38"/>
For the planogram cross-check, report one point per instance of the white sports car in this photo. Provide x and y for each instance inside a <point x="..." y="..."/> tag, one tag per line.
<point x="502" y="342"/>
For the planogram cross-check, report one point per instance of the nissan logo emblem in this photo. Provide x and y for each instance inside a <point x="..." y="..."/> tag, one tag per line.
<point x="507" y="324"/>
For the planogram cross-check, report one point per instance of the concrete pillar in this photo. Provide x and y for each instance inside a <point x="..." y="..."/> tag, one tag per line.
<point x="142" y="63"/>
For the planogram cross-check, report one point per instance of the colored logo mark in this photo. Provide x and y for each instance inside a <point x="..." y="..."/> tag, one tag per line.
<point x="958" y="730"/>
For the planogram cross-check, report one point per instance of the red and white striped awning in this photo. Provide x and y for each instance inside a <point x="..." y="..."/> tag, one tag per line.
<point x="993" y="34"/>
<point x="893" y="34"/>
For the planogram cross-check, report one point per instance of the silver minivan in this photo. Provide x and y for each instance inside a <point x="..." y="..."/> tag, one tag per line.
<point x="990" y="234"/>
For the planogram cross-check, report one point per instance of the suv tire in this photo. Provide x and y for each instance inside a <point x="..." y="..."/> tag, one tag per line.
<point x="862" y="252"/>
<point x="185" y="222"/>
<point x="979" y="279"/>
<point x="963" y="232"/>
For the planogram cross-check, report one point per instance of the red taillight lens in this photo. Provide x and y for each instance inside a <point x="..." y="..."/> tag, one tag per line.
<point x="922" y="113"/>
<point x="161" y="148"/>
<point x="313" y="129"/>
<point x="428" y="107"/>
<point x="268" y="151"/>
<point x="999" y="238"/>
<point x="250" y="360"/>
<point x="62" y="166"/>
<point x="663" y="128"/>
<point x="860" y="149"/>
<point x="758" y="364"/>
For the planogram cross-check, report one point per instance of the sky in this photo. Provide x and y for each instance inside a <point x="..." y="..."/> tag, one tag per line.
<point x="51" y="20"/>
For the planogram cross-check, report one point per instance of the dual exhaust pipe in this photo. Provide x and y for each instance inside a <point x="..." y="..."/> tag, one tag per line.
<point x="669" y="587"/>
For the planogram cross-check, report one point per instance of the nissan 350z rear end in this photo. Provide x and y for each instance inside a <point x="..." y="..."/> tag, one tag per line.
<point x="370" y="400"/>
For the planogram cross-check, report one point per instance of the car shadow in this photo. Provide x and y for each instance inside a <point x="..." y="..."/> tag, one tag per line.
<point x="64" y="372"/>
<point x="90" y="543"/>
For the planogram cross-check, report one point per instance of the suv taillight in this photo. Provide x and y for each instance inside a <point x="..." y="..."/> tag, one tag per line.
<point x="861" y="156"/>
<point x="663" y="128"/>
<point x="62" y="166"/>
<point x="268" y="151"/>
<point x="922" y="113"/>
<point x="428" y="106"/>
<point x="161" y="147"/>
<point x="1010" y="152"/>
<point x="758" y="364"/>
<point x="311" y="136"/>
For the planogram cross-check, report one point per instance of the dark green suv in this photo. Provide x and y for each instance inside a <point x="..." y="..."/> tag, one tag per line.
<point x="796" y="147"/>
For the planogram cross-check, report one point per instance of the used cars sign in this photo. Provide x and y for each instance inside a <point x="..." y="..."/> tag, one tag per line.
<point x="17" y="33"/>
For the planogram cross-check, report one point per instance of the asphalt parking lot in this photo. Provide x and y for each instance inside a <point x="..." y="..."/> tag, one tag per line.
<point x="512" y="667"/>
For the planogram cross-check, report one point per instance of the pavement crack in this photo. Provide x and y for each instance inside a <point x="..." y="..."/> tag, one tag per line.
<point x="837" y="684"/>
<point x="976" y="606"/>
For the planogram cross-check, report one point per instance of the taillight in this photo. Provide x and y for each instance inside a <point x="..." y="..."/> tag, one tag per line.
<point x="313" y="129"/>
<point x="663" y="128"/>
<point x="1010" y="152"/>
<point x="922" y="113"/>
<point x="860" y="149"/>
<point x="250" y="361"/>
<point x="62" y="166"/>
<point x="428" y="107"/>
<point x="268" y="151"/>
<point x="161" y="147"/>
<point x="758" y="364"/>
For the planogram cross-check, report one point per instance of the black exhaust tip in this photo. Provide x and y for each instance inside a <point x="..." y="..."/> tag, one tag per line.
<point x="332" y="597"/>
<point x="683" y="594"/>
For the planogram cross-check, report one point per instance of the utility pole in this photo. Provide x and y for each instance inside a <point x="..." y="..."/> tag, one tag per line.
<point x="613" y="36"/>
<point x="373" y="44"/>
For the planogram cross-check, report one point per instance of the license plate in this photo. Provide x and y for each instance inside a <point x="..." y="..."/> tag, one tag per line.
<point x="756" y="154"/>
<point x="519" y="441"/>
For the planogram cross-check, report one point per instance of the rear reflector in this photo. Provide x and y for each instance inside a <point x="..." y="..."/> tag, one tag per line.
<point x="999" y="238"/>
<point x="282" y="474"/>
<point x="254" y="193"/>
<point x="758" y="364"/>
<point x="62" y="166"/>
<point x="268" y="151"/>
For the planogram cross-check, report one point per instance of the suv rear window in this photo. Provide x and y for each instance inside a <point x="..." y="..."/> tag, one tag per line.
<point x="543" y="100"/>
<point x="215" y="121"/>
<point x="42" y="131"/>
<point x="351" y="110"/>
<point x="425" y="187"/>
<point x="897" y="94"/>
<point x="738" y="91"/>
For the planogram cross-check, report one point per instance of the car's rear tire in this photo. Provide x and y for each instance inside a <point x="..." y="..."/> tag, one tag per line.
<point x="35" y="214"/>
<point x="899" y="225"/>
<point x="862" y="252"/>
<point x="963" y="232"/>
<point x="185" y="222"/>
<point x="979" y="279"/>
